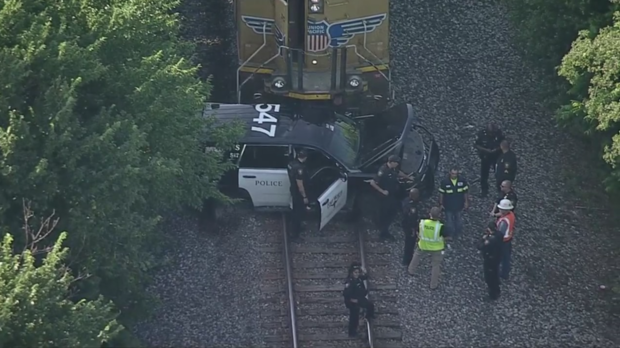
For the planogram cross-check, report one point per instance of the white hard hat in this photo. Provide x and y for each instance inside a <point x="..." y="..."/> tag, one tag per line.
<point x="505" y="204"/>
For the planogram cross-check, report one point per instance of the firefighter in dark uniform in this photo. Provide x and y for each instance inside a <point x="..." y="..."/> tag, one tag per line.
<point x="411" y="222"/>
<point x="299" y="180"/>
<point x="488" y="145"/>
<point x="506" y="168"/>
<point x="490" y="246"/>
<point x="387" y="184"/>
<point x="355" y="297"/>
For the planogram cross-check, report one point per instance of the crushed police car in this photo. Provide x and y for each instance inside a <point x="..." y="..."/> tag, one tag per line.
<point x="344" y="154"/>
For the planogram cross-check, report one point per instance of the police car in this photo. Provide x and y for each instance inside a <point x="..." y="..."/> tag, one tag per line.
<point x="344" y="153"/>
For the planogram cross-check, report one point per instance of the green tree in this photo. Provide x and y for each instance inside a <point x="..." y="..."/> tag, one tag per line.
<point x="592" y="67"/>
<point x="100" y="119"/>
<point x="546" y="29"/>
<point x="36" y="310"/>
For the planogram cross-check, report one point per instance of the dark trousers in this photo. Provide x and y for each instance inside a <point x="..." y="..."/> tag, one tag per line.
<point x="506" y="259"/>
<point x="387" y="212"/>
<point x="297" y="215"/>
<point x="454" y="222"/>
<point x="491" y="277"/>
<point x="410" y="240"/>
<point x="486" y="163"/>
<point x="354" y="313"/>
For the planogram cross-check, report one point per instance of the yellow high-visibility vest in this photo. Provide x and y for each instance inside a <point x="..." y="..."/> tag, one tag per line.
<point x="430" y="240"/>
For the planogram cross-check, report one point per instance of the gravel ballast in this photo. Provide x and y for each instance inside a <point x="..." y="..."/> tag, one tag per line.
<point x="210" y="294"/>
<point x="456" y="62"/>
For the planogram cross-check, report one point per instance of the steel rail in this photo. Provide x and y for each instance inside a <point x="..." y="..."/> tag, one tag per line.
<point x="289" y="283"/>
<point x="371" y="340"/>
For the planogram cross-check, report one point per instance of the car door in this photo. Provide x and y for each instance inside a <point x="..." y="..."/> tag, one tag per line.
<point x="263" y="175"/>
<point x="332" y="200"/>
<point x="328" y="185"/>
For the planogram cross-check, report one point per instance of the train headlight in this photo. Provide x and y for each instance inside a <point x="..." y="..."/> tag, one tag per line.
<point x="316" y="6"/>
<point x="279" y="82"/>
<point x="355" y="81"/>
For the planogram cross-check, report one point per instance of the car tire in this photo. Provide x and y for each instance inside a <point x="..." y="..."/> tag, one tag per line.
<point x="245" y="204"/>
<point x="217" y="211"/>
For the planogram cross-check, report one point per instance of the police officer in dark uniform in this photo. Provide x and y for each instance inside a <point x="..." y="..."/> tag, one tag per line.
<point x="506" y="168"/>
<point x="355" y="297"/>
<point x="488" y="145"/>
<point x="299" y="180"/>
<point x="507" y="192"/>
<point x="387" y="184"/>
<point x="411" y="223"/>
<point x="490" y="245"/>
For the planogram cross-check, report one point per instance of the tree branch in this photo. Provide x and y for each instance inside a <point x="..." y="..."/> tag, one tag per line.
<point x="46" y="227"/>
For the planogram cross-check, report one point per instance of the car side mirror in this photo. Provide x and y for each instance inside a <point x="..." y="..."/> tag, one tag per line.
<point x="344" y="176"/>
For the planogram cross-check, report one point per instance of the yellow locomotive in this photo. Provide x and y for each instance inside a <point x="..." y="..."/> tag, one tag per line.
<point x="314" y="50"/>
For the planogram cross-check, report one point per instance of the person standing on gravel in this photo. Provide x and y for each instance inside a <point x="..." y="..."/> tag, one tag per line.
<point x="506" y="168"/>
<point x="453" y="199"/>
<point x="506" y="225"/>
<point x="490" y="246"/>
<point x="507" y="193"/>
<point x="387" y="184"/>
<point x="299" y="180"/>
<point x="411" y="222"/>
<point x="488" y="145"/>
<point x="355" y="297"/>
<point x="432" y="237"/>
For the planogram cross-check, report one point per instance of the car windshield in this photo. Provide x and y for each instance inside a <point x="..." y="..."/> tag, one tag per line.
<point x="345" y="143"/>
<point x="382" y="129"/>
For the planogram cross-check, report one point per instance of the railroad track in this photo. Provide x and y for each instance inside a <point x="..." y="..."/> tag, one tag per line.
<point x="302" y="299"/>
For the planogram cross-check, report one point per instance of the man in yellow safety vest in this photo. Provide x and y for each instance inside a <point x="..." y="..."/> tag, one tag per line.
<point x="432" y="235"/>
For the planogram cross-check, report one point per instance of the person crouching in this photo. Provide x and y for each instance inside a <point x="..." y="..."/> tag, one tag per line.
<point x="355" y="297"/>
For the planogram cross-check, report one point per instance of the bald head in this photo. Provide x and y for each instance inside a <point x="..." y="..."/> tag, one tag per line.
<point x="506" y="186"/>
<point x="505" y="145"/>
<point x="414" y="194"/>
<point x="435" y="213"/>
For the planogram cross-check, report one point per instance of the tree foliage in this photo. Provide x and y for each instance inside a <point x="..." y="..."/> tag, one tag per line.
<point x="578" y="40"/>
<point x="36" y="309"/>
<point x="592" y="67"/>
<point x="100" y="120"/>
<point x="547" y="27"/>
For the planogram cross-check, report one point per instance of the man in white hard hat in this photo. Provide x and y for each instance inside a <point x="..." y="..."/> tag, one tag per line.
<point x="506" y="225"/>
